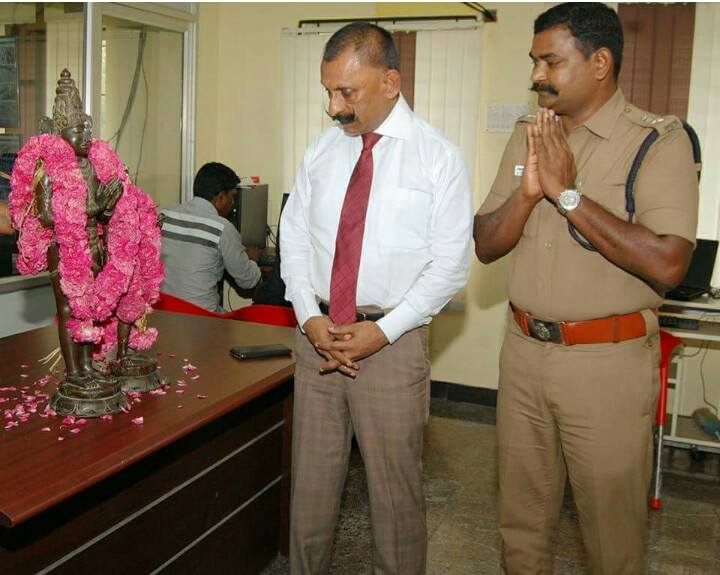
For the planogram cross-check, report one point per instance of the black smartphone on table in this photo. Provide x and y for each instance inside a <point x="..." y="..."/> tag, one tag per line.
<point x="253" y="351"/>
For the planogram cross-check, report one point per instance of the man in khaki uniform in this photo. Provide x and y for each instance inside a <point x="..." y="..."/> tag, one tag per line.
<point x="579" y="365"/>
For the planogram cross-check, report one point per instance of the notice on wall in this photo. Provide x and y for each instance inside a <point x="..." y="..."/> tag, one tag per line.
<point x="502" y="117"/>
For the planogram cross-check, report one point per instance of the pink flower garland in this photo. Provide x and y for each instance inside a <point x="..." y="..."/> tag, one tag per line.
<point x="129" y="283"/>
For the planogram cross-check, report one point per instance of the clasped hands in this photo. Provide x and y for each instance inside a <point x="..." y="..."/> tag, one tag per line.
<point x="550" y="164"/>
<point x="343" y="345"/>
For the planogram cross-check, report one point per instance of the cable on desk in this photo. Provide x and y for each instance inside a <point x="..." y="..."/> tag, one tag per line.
<point x="703" y="346"/>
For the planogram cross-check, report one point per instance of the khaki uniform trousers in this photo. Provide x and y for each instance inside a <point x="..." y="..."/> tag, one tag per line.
<point x="386" y="406"/>
<point x="583" y="411"/>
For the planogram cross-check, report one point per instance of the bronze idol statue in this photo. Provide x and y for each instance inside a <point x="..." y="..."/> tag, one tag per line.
<point x="103" y="262"/>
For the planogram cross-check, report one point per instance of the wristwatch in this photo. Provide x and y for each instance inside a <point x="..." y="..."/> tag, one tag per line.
<point x="568" y="201"/>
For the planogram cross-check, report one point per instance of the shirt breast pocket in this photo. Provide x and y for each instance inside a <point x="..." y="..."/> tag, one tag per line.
<point x="406" y="218"/>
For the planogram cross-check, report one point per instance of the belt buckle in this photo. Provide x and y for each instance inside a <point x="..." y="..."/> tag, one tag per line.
<point x="545" y="330"/>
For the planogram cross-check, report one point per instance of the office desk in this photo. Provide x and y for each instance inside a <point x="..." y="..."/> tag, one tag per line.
<point x="202" y="488"/>
<point x="684" y="432"/>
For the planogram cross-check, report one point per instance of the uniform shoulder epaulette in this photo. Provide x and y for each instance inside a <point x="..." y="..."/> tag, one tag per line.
<point x="527" y="119"/>
<point x="661" y="124"/>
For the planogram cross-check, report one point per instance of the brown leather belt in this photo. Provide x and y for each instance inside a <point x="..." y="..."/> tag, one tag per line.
<point x="360" y="315"/>
<point x="603" y="330"/>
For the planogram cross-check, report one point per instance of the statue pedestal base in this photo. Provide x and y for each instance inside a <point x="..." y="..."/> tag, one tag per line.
<point x="89" y="396"/>
<point x="137" y="372"/>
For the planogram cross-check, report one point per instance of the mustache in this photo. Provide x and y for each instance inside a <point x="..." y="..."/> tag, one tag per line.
<point x="537" y="87"/>
<point x="343" y="119"/>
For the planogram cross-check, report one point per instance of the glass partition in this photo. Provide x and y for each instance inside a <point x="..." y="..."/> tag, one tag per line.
<point x="37" y="40"/>
<point x="141" y="103"/>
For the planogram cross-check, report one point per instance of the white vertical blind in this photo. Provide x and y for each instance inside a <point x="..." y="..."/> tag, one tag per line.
<point x="303" y="110"/>
<point x="447" y="85"/>
<point x="704" y="116"/>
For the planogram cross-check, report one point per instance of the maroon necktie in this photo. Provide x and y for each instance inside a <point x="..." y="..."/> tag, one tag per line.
<point x="348" y="244"/>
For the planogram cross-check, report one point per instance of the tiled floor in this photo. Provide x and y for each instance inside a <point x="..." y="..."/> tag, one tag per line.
<point x="460" y="490"/>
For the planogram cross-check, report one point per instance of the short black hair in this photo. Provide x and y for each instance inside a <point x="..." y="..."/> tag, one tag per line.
<point x="212" y="179"/>
<point x="594" y="25"/>
<point x="373" y="43"/>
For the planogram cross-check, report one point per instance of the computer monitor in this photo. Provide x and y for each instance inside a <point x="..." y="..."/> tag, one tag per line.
<point x="702" y="264"/>
<point x="250" y="214"/>
<point x="697" y="279"/>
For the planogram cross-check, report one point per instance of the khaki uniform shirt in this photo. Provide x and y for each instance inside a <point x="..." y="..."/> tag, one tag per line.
<point x="552" y="276"/>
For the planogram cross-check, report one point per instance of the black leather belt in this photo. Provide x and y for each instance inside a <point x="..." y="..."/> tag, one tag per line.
<point x="360" y="315"/>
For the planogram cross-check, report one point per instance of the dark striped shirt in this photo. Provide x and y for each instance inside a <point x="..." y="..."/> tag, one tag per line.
<point x="197" y="246"/>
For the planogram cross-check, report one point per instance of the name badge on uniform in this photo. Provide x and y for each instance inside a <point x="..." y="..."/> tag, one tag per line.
<point x="519" y="169"/>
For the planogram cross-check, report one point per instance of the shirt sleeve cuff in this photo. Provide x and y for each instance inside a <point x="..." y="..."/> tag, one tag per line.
<point x="670" y="221"/>
<point x="399" y="321"/>
<point x="305" y="307"/>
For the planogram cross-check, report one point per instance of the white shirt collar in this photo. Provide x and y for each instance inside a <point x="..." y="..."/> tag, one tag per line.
<point x="399" y="121"/>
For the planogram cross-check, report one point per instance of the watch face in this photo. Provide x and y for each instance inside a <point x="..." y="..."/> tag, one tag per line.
<point x="569" y="199"/>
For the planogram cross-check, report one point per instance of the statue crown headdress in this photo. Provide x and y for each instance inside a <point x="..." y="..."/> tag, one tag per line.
<point x="67" y="108"/>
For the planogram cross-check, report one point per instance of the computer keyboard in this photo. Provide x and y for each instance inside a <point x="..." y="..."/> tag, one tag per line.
<point x="673" y="321"/>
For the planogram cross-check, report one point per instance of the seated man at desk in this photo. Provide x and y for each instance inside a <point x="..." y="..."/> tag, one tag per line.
<point x="199" y="243"/>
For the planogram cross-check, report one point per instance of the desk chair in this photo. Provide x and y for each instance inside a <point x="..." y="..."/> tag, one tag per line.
<point x="668" y="345"/>
<point x="167" y="302"/>
<point x="267" y="314"/>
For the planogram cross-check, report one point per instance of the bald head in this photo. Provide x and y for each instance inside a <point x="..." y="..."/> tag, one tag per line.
<point x="371" y="43"/>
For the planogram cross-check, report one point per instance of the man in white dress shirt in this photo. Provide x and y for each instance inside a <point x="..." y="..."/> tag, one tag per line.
<point x="376" y="240"/>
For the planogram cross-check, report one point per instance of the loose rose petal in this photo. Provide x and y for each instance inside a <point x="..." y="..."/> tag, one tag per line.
<point x="75" y="430"/>
<point x="201" y="396"/>
<point x="106" y="417"/>
<point x="45" y="429"/>
<point x="138" y="421"/>
<point x="69" y="420"/>
<point x="61" y="438"/>
<point x="171" y="355"/>
<point x="179" y="406"/>
<point x="24" y="366"/>
<point x="179" y="391"/>
<point x="186" y="360"/>
<point x="24" y="375"/>
<point x="189" y="367"/>
<point x="80" y="421"/>
<point x="195" y="377"/>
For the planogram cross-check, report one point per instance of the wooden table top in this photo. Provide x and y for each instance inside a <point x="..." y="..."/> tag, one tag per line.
<point x="39" y="470"/>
